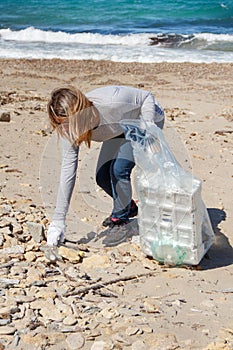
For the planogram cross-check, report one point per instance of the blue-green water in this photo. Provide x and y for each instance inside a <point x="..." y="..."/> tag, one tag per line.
<point x="125" y="30"/>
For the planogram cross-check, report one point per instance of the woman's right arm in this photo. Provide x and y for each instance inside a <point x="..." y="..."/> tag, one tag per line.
<point x="69" y="167"/>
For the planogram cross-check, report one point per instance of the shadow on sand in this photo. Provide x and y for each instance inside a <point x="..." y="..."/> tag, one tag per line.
<point x="221" y="252"/>
<point x="219" y="255"/>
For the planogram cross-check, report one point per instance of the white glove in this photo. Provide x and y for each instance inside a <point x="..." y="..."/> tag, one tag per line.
<point x="56" y="233"/>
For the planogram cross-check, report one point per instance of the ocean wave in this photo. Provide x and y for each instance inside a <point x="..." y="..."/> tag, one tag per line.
<point x="32" y="34"/>
<point x="198" y="40"/>
<point x="147" y="47"/>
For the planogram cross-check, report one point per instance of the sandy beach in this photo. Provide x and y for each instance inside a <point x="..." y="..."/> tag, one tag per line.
<point x="163" y="308"/>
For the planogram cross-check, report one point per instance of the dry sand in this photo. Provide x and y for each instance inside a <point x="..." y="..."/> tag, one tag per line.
<point x="193" y="307"/>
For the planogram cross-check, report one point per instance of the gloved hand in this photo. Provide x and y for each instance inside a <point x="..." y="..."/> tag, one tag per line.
<point x="56" y="233"/>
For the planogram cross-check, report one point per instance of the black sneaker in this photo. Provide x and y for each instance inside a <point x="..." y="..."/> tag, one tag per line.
<point x="117" y="233"/>
<point x="133" y="212"/>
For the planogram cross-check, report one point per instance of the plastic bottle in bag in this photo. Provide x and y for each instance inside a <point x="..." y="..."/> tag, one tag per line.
<point x="174" y="225"/>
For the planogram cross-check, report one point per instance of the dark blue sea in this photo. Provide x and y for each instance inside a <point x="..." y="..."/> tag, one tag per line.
<point x="123" y="31"/>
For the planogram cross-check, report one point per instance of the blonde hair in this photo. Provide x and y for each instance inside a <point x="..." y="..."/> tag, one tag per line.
<point x="72" y="115"/>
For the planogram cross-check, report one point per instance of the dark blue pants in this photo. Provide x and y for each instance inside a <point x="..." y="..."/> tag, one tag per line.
<point x="113" y="173"/>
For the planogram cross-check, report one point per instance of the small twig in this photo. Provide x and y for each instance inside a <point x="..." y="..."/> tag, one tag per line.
<point x="105" y="294"/>
<point x="96" y="286"/>
<point x="222" y="132"/>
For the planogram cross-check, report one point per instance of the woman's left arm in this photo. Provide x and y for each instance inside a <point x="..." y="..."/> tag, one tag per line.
<point x="69" y="167"/>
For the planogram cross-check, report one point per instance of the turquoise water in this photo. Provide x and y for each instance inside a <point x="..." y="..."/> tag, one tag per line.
<point x="126" y="30"/>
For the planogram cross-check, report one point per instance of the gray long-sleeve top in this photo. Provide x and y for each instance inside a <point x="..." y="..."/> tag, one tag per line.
<point x="114" y="104"/>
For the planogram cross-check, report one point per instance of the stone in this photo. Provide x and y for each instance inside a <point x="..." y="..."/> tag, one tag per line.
<point x="5" y="222"/>
<point x="30" y="256"/>
<point x="109" y="313"/>
<point x="7" y="330"/>
<point x="6" y="311"/>
<point x="150" y="306"/>
<point x="2" y="239"/>
<point x="16" y="249"/>
<point x="62" y="307"/>
<point x="139" y="345"/>
<point x="16" y="228"/>
<point x="4" y="321"/>
<point x="5" y="209"/>
<point x="69" y="254"/>
<point x="131" y="330"/>
<point x="35" y="340"/>
<point x="75" y="341"/>
<point x="8" y="282"/>
<point x="50" y="312"/>
<point x="96" y="261"/>
<point x="5" y="117"/>
<point x="36" y="230"/>
<point x="98" y="345"/>
<point x="46" y="292"/>
<point x="70" y="321"/>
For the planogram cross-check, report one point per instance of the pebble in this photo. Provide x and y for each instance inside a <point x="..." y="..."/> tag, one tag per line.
<point x="69" y="254"/>
<point x="131" y="330"/>
<point x="98" y="345"/>
<point x="5" y="117"/>
<point x="70" y="321"/>
<point x="139" y="345"/>
<point x="7" y="330"/>
<point x="36" y="230"/>
<point x="17" y="249"/>
<point x="2" y="239"/>
<point x="75" y="341"/>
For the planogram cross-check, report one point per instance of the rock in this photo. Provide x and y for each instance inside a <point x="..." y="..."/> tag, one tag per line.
<point x="72" y="273"/>
<point x="139" y="345"/>
<point x="36" y="341"/>
<point x="5" y="117"/>
<point x="96" y="261"/>
<point x="98" y="345"/>
<point x="70" y="321"/>
<point x="75" y="341"/>
<point x="69" y="254"/>
<point x="131" y="330"/>
<point x="7" y="311"/>
<point x="50" y="312"/>
<point x="150" y="306"/>
<point x="36" y="230"/>
<point x="62" y="307"/>
<point x="16" y="249"/>
<point x="46" y="292"/>
<point x="109" y="313"/>
<point x="5" y="222"/>
<point x="5" y="209"/>
<point x="4" y="321"/>
<point x="160" y="341"/>
<point x="7" y="330"/>
<point x="16" y="228"/>
<point x="2" y="239"/>
<point x="30" y="256"/>
<point x="8" y="282"/>
<point x="146" y="329"/>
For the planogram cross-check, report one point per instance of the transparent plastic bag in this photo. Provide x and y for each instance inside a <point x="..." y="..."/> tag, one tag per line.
<point x="174" y="224"/>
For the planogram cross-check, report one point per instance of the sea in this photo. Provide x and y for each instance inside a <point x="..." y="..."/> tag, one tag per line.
<point x="122" y="31"/>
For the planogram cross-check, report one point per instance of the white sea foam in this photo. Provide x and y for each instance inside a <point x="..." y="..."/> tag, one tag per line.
<point x="36" y="35"/>
<point x="36" y="43"/>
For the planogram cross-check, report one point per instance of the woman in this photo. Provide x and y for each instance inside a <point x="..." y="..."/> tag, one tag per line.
<point x="96" y="116"/>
